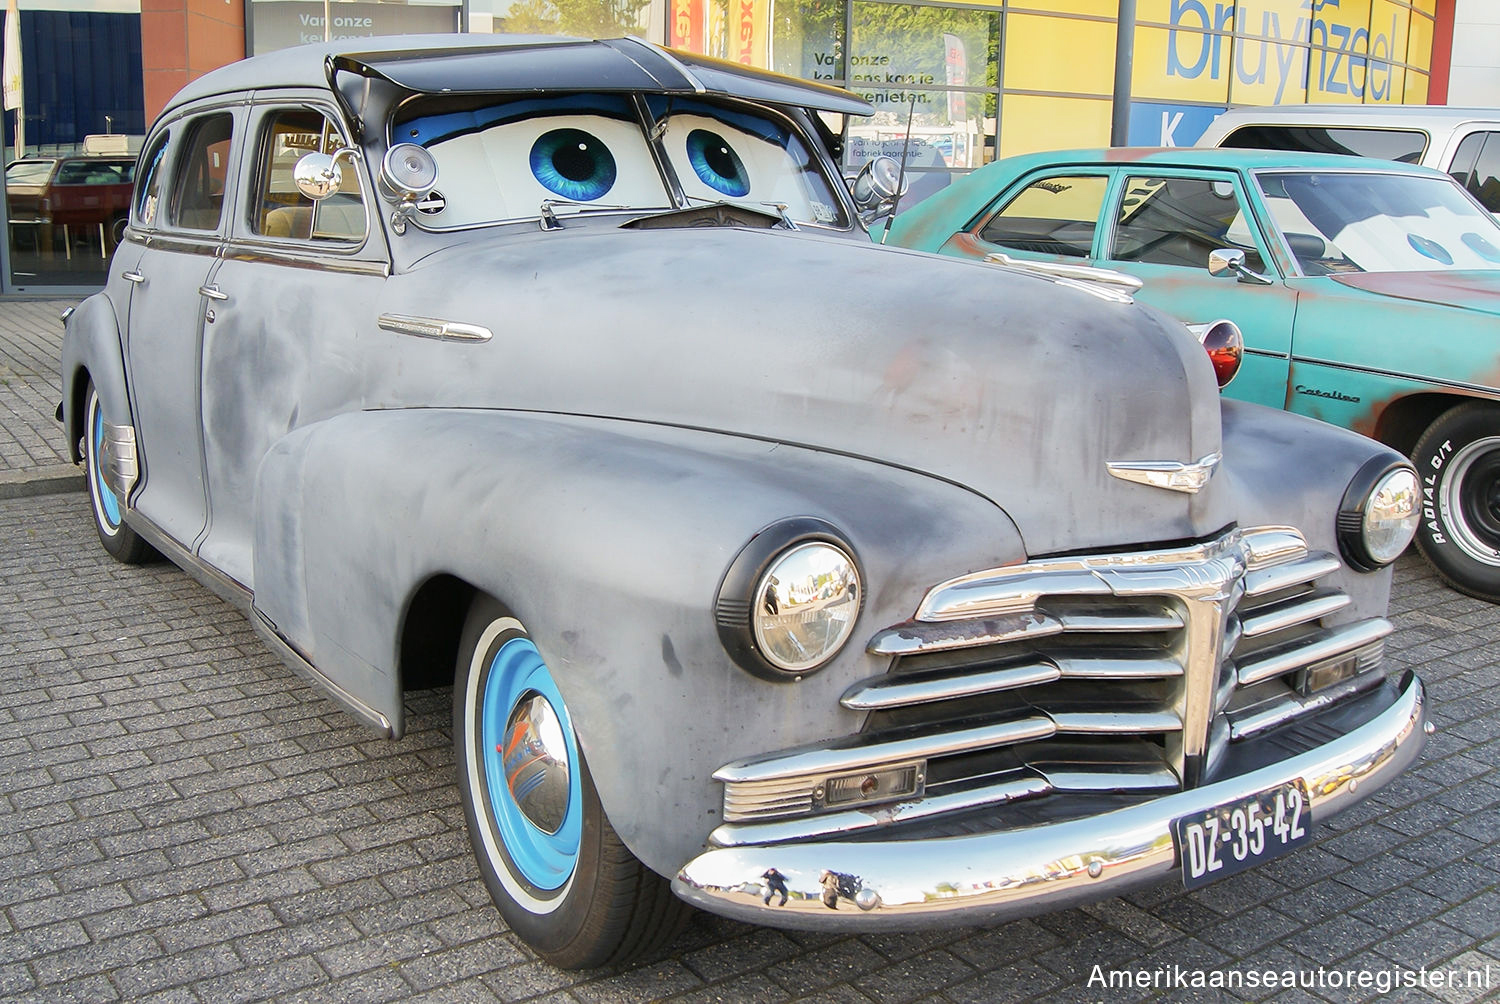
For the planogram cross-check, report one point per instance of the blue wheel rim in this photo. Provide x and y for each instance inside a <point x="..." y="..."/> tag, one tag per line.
<point x="109" y="505"/>
<point x="544" y="860"/>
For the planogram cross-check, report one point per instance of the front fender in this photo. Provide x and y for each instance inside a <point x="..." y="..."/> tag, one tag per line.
<point x="609" y="540"/>
<point x="91" y="350"/>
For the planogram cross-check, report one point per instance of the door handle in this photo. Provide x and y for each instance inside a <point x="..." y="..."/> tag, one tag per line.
<point x="213" y="292"/>
<point x="134" y="277"/>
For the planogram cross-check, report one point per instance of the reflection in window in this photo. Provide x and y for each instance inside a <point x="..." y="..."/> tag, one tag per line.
<point x="1050" y="216"/>
<point x="279" y="210"/>
<point x="1405" y="145"/>
<point x="1476" y="165"/>
<point x="1180" y="221"/>
<point x="1366" y="222"/>
<point x="202" y="172"/>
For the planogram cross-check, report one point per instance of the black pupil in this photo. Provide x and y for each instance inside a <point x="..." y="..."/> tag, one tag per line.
<point x="574" y="161"/>
<point x="721" y="160"/>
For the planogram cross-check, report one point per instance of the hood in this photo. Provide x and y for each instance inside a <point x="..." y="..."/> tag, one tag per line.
<point x="1015" y="386"/>
<point x="1466" y="290"/>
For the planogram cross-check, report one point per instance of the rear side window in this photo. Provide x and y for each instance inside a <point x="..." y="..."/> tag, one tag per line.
<point x="201" y="174"/>
<point x="1056" y="215"/>
<point x="1476" y="166"/>
<point x="1405" y="145"/>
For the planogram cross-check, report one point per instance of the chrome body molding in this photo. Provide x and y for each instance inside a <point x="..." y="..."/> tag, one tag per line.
<point x="1169" y="474"/>
<point x="299" y="664"/>
<point x="434" y="327"/>
<point x="1119" y="284"/>
<point x="121" y="461"/>
<point x="999" y="875"/>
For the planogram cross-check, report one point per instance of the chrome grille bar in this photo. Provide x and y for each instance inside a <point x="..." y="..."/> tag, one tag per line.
<point x="1327" y="644"/>
<point x="823" y="761"/>
<point x="885" y="692"/>
<point x="1262" y="581"/>
<point x="1300" y="610"/>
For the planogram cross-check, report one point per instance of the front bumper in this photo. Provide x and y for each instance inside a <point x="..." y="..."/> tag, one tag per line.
<point x="997" y="876"/>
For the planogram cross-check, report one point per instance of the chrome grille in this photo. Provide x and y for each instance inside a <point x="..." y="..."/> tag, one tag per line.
<point x="1124" y="673"/>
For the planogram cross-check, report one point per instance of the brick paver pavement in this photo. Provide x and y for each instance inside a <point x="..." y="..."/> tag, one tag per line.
<point x="182" y="819"/>
<point x="30" y="340"/>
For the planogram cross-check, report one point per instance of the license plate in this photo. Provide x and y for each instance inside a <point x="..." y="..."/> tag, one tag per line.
<point x="1237" y="835"/>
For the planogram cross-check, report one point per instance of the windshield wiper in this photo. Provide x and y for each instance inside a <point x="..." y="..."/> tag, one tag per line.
<point x="549" y="220"/>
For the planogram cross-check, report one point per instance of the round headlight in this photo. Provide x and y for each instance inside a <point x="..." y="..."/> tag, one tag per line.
<point x="789" y="601"/>
<point x="1379" y="517"/>
<point x="804" y="606"/>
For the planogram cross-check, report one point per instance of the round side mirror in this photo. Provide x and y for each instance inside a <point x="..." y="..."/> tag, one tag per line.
<point x="877" y="183"/>
<point x="318" y="175"/>
<point x="407" y="173"/>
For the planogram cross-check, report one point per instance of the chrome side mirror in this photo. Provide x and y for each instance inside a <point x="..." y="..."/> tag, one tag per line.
<point x="877" y="186"/>
<point x="408" y="174"/>
<point x="318" y="175"/>
<point x="1227" y="261"/>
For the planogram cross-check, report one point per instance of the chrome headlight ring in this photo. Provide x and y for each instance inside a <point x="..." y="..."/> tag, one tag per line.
<point x="788" y="603"/>
<point x="1379" y="513"/>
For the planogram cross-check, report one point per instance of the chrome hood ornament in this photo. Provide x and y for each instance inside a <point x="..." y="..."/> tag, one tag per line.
<point x="1168" y="474"/>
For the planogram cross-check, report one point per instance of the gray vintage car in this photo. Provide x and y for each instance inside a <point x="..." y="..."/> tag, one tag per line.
<point x="817" y="583"/>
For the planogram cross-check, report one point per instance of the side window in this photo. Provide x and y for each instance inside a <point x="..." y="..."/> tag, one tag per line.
<point x="277" y="208"/>
<point x="148" y="192"/>
<point x="1178" y="221"/>
<point x="1476" y="165"/>
<point x="201" y="173"/>
<point x="1055" y="215"/>
<point x="1405" y="145"/>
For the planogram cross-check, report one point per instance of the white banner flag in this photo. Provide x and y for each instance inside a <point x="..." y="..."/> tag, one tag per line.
<point x="10" y="72"/>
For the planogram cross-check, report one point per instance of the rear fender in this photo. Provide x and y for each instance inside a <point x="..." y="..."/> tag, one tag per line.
<point x="91" y="351"/>
<point x="609" y="541"/>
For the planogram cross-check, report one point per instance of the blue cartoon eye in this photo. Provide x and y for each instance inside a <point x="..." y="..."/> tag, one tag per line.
<point x="1429" y="249"/>
<point x="573" y="164"/>
<point x="716" y="163"/>
<point x="1481" y="247"/>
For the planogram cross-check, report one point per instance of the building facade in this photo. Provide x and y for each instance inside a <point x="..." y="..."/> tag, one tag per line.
<point x="966" y="82"/>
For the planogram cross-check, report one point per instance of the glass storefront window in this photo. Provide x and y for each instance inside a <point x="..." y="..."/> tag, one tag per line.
<point x="68" y="189"/>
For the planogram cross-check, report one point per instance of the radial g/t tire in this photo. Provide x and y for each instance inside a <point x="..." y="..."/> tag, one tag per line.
<point x="1458" y="460"/>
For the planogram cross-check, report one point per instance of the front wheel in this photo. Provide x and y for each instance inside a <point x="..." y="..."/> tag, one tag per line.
<point x="1458" y="459"/>
<point x="559" y="875"/>
<point x="118" y="539"/>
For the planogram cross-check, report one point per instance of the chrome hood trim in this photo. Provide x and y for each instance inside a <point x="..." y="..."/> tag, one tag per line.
<point x="1168" y="474"/>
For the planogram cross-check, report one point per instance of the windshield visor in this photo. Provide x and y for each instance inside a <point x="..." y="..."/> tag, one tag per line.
<point x="1367" y="222"/>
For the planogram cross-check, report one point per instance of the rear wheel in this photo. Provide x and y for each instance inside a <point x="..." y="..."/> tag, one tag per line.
<point x="559" y="875"/>
<point x="1458" y="458"/>
<point x="118" y="539"/>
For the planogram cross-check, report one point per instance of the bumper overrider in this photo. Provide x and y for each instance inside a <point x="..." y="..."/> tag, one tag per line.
<point x="1000" y="875"/>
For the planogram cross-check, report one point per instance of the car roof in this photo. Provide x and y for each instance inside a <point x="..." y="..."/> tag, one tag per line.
<point x="1190" y="156"/>
<point x="516" y="63"/>
<point x="1404" y="116"/>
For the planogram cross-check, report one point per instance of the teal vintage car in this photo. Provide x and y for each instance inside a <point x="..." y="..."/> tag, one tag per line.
<point x="1368" y="293"/>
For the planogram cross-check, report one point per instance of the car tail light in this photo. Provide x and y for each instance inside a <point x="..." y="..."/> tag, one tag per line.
<point x="1225" y="347"/>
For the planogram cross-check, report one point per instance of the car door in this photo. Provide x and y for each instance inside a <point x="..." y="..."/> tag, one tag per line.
<point x="180" y="209"/>
<point x="1162" y="224"/>
<point x="295" y="286"/>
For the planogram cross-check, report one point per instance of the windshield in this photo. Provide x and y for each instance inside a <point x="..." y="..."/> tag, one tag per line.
<point x="1370" y="222"/>
<point x="28" y="172"/>
<point x="506" y="160"/>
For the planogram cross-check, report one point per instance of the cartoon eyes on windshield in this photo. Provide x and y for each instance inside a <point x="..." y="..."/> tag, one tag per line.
<point x="716" y="164"/>
<point x="573" y="164"/>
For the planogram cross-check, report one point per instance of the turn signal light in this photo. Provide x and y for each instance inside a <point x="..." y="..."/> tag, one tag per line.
<point x="1225" y="347"/>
